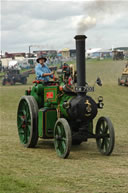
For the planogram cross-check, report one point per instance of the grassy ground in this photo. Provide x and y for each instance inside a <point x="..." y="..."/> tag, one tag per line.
<point x="39" y="170"/>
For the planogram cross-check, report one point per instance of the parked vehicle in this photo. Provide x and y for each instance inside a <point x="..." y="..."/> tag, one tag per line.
<point x="13" y="75"/>
<point x="124" y="77"/>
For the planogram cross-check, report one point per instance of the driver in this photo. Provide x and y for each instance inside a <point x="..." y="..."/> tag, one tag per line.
<point x="42" y="71"/>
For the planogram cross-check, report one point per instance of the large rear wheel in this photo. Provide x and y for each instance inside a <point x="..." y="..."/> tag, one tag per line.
<point x="27" y="121"/>
<point x="62" y="138"/>
<point x="105" y="136"/>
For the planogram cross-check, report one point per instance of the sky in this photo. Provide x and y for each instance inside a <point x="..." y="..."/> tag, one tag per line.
<point x="54" y="24"/>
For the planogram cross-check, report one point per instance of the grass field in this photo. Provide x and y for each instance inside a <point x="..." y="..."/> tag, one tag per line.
<point x="39" y="170"/>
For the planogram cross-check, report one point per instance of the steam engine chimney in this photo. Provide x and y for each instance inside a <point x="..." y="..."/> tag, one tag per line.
<point x="80" y="60"/>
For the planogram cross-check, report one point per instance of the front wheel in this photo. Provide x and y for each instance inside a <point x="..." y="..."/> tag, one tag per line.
<point x="105" y="135"/>
<point x="62" y="138"/>
<point x="27" y="121"/>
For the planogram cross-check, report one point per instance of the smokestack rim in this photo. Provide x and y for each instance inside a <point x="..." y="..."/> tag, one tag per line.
<point x="80" y="37"/>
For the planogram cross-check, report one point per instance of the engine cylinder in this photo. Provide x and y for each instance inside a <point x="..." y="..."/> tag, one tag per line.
<point x="82" y="108"/>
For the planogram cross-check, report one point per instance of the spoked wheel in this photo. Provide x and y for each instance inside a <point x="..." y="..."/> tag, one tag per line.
<point x="27" y="121"/>
<point x="62" y="138"/>
<point x="105" y="135"/>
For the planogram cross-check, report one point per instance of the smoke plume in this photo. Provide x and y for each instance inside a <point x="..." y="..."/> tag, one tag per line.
<point x="86" y="23"/>
<point x="97" y="11"/>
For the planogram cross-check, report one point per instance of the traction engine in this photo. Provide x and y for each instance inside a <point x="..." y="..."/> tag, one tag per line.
<point x="55" y="110"/>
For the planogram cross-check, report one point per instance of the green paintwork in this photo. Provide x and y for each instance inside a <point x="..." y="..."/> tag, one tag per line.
<point x="46" y="122"/>
<point x="51" y="118"/>
<point x="38" y="92"/>
<point x="40" y="123"/>
<point x="64" y="98"/>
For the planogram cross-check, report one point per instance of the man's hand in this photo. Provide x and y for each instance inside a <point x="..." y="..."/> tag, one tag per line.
<point x="52" y="72"/>
<point x="48" y="74"/>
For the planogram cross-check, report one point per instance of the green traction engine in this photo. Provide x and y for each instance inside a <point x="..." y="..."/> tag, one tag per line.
<point x="53" y="110"/>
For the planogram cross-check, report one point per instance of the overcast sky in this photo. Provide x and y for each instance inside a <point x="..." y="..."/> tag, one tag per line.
<point x="53" y="24"/>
